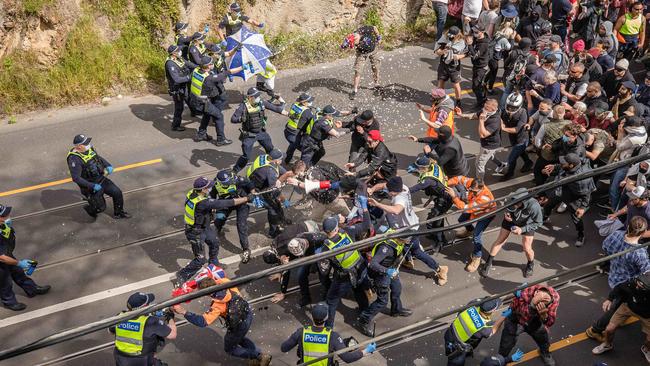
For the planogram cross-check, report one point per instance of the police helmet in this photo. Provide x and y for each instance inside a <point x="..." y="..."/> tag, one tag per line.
<point x="180" y="26"/>
<point x="225" y="176"/>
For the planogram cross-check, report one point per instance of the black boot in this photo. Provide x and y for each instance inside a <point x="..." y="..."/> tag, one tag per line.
<point x="485" y="269"/>
<point x="121" y="215"/>
<point x="529" y="269"/>
<point x="365" y="328"/>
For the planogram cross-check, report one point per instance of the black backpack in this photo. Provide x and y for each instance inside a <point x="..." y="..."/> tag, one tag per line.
<point x="238" y="310"/>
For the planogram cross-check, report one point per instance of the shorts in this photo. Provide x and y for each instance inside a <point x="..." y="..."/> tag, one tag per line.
<point x="361" y="57"/>
<point x="623" y="313"/>
<point x="448" y="73"/>
<point x="509" y="224"/>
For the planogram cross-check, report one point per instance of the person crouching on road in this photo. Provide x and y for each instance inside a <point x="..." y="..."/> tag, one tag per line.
<point x="238" y="316"/>
<point x="317" y="340"/>
<point x="89" y="171"/>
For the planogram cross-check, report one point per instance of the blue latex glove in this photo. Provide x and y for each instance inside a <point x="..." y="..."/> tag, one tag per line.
<point x="261" y="25"/>
<point x="24" y="264"/>
<point x="97" y="187"/>
<point x="372" y="347"/>
<point x="286" y="203"/>
<point x="257" y="202"/>
<point x="335" y="185"/>
<point x="506" y="313"/>
<point x="109" y="169"/>
<point x="363" y="202"/>
<point x="411" y="169"/>
<point x="391" y="272"/>
<point x="517" y="356"/>
<point x="223" y="43"/>
<point x="518" y="292"/>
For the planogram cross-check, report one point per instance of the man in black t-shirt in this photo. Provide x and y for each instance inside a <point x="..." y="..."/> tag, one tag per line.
<point x="513" y="122"/>
<point x="489" y="131"/>
<point x="365" y="41"/>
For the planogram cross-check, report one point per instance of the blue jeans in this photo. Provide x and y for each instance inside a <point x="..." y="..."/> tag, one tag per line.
<point x="480" y="227"/>
<point x="236" y="344"/>
<point x="518" y="151"/>
<point x="417" y="252"/>
<point x="615" y="189"/>
<point x="441" y="17"/>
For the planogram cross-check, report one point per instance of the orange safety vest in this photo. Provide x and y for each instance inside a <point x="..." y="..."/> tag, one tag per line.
<point x="433" y="116"/>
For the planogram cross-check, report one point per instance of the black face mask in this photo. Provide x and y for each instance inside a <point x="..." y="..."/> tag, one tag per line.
<point x="534" y="17"/>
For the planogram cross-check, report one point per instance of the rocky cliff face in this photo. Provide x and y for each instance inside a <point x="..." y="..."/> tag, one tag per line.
<point x="41" y="26"/>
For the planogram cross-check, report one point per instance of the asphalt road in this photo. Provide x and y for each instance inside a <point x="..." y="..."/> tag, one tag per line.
<point x="93" y="265"/>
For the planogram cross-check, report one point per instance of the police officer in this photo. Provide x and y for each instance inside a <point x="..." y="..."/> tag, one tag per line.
<point x="350" y="268"/>
<point x="89" y="171"/>
<point x="208" y="94"/>
<point x="267" y="174"/>
<point x="12" y="269"/>
<point x="229" y="186"/>
<point x="238" y="316"/>
<point x="136" y="340"/>
<point x="198" y="216"/>
<point x="468" y="329"/>
<point x="433" y="181"/>
<point x="182" y="40"/>
<point x="384" y="271"/>
<point x="198" y="48"/>
<point x="318" y="130"/>
<point x="317" y="340"/>
<point x="251" y="113"/>
<point x="178" y="73"/>
<point x="300" y="114"/>
<point x="233" y="21"/>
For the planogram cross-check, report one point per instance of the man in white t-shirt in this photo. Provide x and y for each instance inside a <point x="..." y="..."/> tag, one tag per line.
<point x="400" y="214"/>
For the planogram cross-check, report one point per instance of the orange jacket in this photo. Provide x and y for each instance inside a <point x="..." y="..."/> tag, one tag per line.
<point x="477" y="204"/>
<point x="219" y="307"/>
<point x="436" y="115"/>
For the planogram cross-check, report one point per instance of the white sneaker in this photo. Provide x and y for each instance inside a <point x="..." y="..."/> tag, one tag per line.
<point x="499" y="170"/>
<point x="602" y="348"/>
<point x="646" y="352"/>
<point x="561" y="208"/>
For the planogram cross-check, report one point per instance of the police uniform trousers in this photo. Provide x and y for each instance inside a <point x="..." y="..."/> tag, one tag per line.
<point x="303" y="283"/>
<point x="236" y="344"/>
<point x="213" y="110"/>
<point x="196" y="239"/>
<point x="293" y="138"/>
<point x="9" y="274"/>
<point x="384" y="286"/>
<point x="247" y="142"/>
<point x="179" y="100"/>
<point x="96" y="200"/>
<point x="341" y="285"/>
<point x="242" y="226"/>
<point x="440" y="207"/>
<point x="312" y="151"/>
<point x="274" y="212"/>
<point x="478" y="85"/>
<point x="121" y="360"/>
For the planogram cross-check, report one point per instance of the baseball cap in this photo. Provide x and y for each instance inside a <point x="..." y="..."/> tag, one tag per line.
<point x="365" y="116"/>
<point x="422" y="161"/>
<point x="606" y="61"/>
<point x="490" y="305"/>
<point x="637" y="192"/>
<point x="224" y="176"/>
<point x="330" y="224"/>
<point x="633" y="121"/>
<point x="395" y="184"/>
<point x="235" y="7"/>
<point x="5" y="210"/>
<point x="497" y="360"/>
<point x="172" y="49"/>
<point x="509" y="11"/>
<point x="304" y="97"/>
<point x="180" y="26"/>
<point x="139" y="299"/>
<point x="253" y="92"/>
<point x="330" y="110"/>
<point x="319" y="312"/>
<point x="198" y="36"/>
<point x="453" y="30"/>
<point x="438" y="93"/>
<point x="375" y="135"/>
<point x="556" y="39"/>
<point x="202" y="183"/>
<point x="276" y="154"/>
<point x="623" y="64"/>
<point x="570" y="158"/>
<point x="578" y="45"/>
<point x="444" y="131"/>
<point x="81" y="140"/>
<point x="629" y="84"/>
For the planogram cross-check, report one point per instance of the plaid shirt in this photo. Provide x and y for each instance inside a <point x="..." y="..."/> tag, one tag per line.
<point x="627" y="266"/>
<point x="521" y="306"/>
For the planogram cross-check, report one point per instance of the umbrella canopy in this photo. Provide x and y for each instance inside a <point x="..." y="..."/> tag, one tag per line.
<point x="253" y="50"/>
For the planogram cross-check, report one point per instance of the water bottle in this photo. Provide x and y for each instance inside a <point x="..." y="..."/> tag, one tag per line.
<point x="32" y="267"/>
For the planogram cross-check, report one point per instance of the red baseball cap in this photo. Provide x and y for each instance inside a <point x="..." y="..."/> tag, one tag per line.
<point x="375" y="135"/>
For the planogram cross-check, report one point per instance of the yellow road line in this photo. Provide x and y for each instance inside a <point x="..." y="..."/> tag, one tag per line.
<point x="469" y="91"/>
<point x="566" y="342"/>
<point x="68" y="180"/>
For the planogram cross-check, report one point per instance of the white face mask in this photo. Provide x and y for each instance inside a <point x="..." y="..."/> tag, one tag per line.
<point x="488" y="114"/>
<point x="86" y="148"/>
<point x="258" y="99"/>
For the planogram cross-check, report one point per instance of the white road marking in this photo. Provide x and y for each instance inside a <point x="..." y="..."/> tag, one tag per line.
<point x="106" y="294"/>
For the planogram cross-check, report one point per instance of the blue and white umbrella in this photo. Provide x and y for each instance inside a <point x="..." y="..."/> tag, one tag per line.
<point x="253" y="50"/>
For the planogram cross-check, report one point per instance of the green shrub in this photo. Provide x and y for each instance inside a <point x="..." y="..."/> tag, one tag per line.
<point x="373" y="17"/>
<point x="33" y="7"/>
<point x="300" y="49"/>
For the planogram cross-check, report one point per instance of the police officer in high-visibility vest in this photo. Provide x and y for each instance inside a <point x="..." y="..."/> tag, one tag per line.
<point x="469" y="328"/>
<point x="233" y="21"/>
<point x="350" y="268"/>
<point x="251" y="113"/>
<point x="137" y="339"/>
<point x="300" y="113"/>
<point x="384" y="273"/>
<point x="317" y="340"/>
<point x="229" y="186"/>
<point x="179" y="74"/>
<point x="181" y="39"/>
<point x="267" y="174"/>
<point x="12" y="269"/>
<point x="198" y="47"/>
<point x="433" y="181"/>
<point x="89" y="171"/>
<point x="208" y="94"/>
<point x="319" y="129"/>
<point x="266" y="82"/>
<point x="198" y="217"/>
